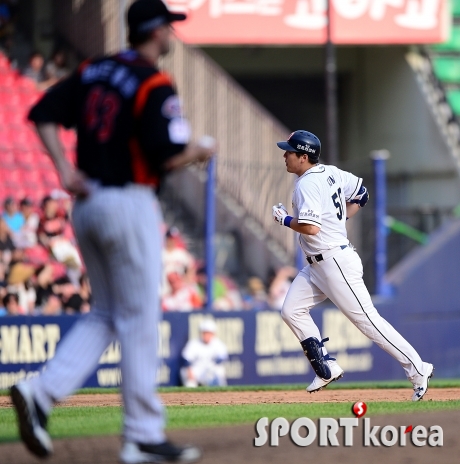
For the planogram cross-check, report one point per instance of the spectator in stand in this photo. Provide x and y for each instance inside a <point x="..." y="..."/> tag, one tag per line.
<point x="27" y="235"/>
<point x="6" y="25"/>
<point x="6" y="242"/>
<point x="3" y="288"/>
<point x="183" y="296"/>
<point x="13" y="218"/>
<point x="35" y="71"/>
<point x="56" y="69"/>
<point x="11" y="304"/>
<point x="71" y="300"/>
<point x="279" y="286"/>
<point x="204" y="357"/>
<point x="47" y="303"/>
<point x="19" y="281"/>
<point x="52" y="235"/>
<point x="176" y="259"/>
<point x="256" y="297"/>
<point x="52" y="223"/>
<point x="43" y="286"/>
<point x="3" y="293"/>
<point x="227" y="296"/>
<point x="3" y="269"/>
<point x="85" y="293"/>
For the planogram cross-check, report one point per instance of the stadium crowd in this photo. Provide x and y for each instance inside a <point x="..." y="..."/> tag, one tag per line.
<point x="42" y="273"/>
<point x="41" y="270"/>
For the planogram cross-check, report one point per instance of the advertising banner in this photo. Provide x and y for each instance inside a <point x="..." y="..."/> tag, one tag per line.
<point x="262" y="349"/>
<point x="303" y="22"/>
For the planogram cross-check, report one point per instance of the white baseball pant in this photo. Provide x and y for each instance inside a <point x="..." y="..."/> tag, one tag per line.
<point x="339" y="277"/>
<point x="207" y="374"/>
<point x="118" y="230"/>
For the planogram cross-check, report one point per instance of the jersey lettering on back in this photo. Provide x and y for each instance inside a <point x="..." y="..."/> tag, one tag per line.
<point x="126" y="132"/>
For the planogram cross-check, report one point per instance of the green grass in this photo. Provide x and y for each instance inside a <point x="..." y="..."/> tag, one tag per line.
<point x="342" y="385"/>
<point x="86" y="421"/>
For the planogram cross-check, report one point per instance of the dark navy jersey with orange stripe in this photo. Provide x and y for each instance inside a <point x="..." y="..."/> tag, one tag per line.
<point x="127" y="114"/>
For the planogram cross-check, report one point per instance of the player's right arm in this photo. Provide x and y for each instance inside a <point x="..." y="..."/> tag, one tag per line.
<point x="59" y="106"/>
<point x="307" y="229"/>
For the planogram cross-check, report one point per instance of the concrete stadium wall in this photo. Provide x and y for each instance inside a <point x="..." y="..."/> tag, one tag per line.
<point x="380" y="106"/>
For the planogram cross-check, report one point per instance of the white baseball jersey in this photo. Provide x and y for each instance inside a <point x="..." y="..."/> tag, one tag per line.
<point x="198" y="352"/>
<point x="319" y="198"/>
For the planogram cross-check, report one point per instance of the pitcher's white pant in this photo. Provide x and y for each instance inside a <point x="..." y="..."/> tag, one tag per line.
<point x="118" y="230"/>
<point x="340" y="278"/>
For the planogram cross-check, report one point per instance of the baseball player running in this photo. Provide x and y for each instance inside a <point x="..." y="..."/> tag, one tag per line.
<point x="130" y="134"/>
<point x="324" y="198"/>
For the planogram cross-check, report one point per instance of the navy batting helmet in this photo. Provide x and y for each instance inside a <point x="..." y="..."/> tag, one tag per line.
<point x="303" y="142"/>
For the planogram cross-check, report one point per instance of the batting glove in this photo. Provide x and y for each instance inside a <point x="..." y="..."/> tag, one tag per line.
<point x="279" y="214"/>
<point x="362" y="197"/>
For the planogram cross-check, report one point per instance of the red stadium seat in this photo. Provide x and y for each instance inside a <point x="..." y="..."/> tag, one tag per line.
<point x="17" y="117"/>
<point x="6" y="141"/>
<point x="36" y="194"/>
<point x="16" y="191"/>
<point x="25" y="160"/>
<point x="6" y="81"/>
<point x="31" y="177"/>
<point x="9" y="99"/>
<point x="50" y="179"/>
<point x="43" y="161"/>
<point x="11" y="178"/>
<point x="4" y="63"/>
<point x="24" y="140"/>
<point x="7" y="160"/>
<point x="71" y="155"/>
<point x="26" y="85"/>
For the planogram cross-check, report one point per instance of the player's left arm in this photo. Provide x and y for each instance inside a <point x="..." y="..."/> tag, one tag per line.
<point x="354" y="191"/>
<point x="352" y="209"/>
<point x="165" y="133"/>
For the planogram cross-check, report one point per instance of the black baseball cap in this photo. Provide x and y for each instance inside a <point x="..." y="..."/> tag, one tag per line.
<point x="146" y="15"/>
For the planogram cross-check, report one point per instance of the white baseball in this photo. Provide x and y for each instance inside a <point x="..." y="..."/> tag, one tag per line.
<point x="207" y="142"/>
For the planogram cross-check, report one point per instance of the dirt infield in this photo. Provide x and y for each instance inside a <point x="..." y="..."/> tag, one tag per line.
<point x="264" y="396"/>
<point x="225" y="445"/>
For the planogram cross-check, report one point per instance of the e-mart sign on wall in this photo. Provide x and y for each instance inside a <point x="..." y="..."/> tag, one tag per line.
<point x="304" y="21"/>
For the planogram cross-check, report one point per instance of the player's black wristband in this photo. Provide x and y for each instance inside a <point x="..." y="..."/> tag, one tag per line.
<point x="287" y="221"/>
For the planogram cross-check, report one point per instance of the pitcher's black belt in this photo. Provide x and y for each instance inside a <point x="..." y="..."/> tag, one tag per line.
<point x="318" y="258"/>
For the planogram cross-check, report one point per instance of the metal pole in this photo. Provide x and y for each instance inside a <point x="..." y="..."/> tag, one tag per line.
<point x="379" y="158"/>
<point x="331" y="94"/>
<point x="123" y="6"/>
<point x="210" y="229"/>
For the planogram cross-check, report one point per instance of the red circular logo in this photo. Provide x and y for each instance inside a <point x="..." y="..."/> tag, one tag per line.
<point x="359" y="409"/>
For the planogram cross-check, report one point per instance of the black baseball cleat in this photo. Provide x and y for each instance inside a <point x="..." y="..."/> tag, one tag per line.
<point x="136" y="453"/>
<point x="31" y="420"/>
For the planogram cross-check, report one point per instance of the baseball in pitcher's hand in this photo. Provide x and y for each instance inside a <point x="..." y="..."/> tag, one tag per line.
<point x="207" y="147"/>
